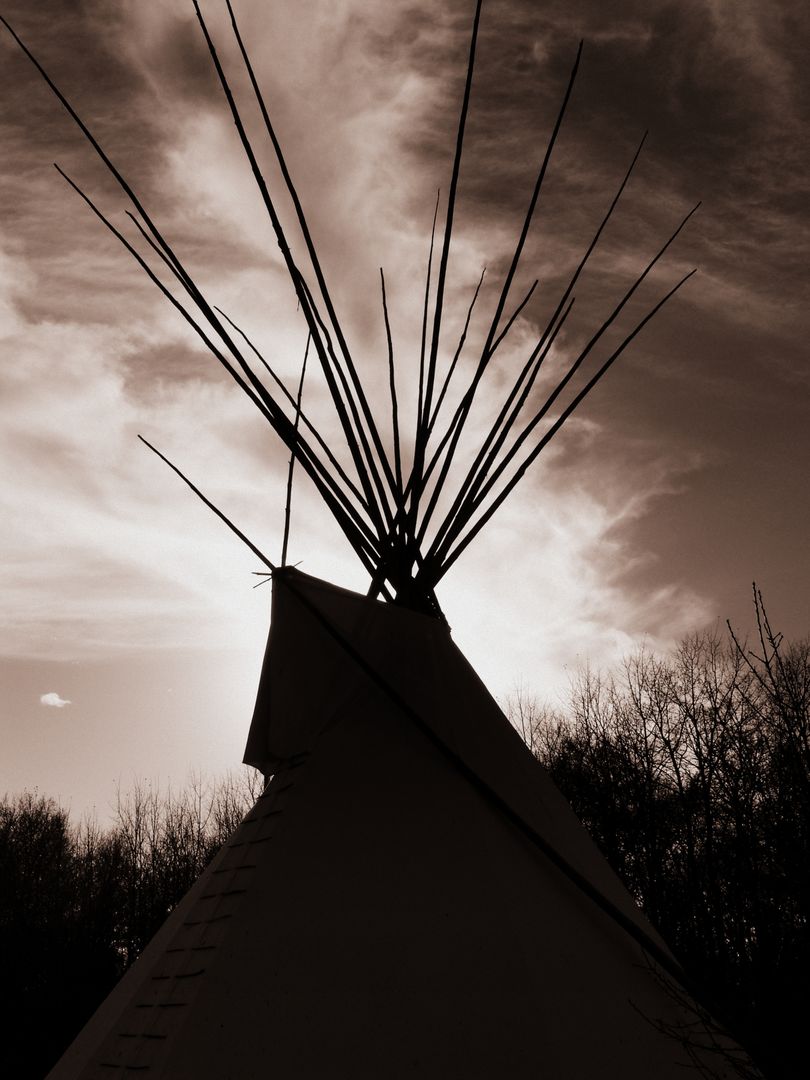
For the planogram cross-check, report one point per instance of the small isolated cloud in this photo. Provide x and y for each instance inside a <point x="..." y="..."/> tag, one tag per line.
<point x="53" y="700"/>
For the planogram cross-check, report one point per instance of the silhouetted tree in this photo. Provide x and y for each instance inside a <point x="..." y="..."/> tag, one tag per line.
<point x="166" y="840"/>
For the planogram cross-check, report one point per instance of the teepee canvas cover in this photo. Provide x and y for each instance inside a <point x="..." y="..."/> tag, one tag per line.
<point x="382" y="912"/>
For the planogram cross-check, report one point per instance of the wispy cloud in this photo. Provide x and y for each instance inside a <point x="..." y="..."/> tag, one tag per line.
<point x="365" y="102"/>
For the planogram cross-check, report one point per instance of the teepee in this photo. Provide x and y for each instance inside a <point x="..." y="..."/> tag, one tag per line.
<point x="410" y="895"/>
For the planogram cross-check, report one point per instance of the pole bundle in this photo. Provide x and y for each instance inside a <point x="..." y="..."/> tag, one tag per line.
<point x="387" y="509"/>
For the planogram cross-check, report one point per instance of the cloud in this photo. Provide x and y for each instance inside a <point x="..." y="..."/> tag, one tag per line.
<point x="53" y="700"/>
<point x="366" y="112"/>
<point x="124" y="566"/>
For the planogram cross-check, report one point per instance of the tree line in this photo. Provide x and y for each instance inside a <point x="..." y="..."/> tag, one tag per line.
<point x="691" y="771"/>
<point x="78" y="903"/>
<point x="692" y="774"/>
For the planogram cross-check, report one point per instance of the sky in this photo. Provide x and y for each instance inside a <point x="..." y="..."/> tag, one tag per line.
<point x="133" y="636"/>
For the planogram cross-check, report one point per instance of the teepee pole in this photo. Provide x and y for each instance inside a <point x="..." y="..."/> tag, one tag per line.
<point x="563" y="382"/>
<point x="354" y="527"/>
<point x="272" y="410"/>
<point x="432" y="502"/>
<point x="420" y="406"/>
<point x="288" y="499"/>
<point x="393" y="388"/>
<point x="459" y="420"/>
<point x="361" y="552"/>
<point x="446" y="559"/>
<point x="250" y="391"/>
<point x="502" y="423"/>
<point x="463" y="508"/>
<point x="355" y="437"/>
<point x="453" y="433"/>
<point x="412" y="541"/>
<point x="93" y="142"/>
<point x="319" y="439"/>
<point x="451" y="369"/>
<point x="508" y="416"/>
<point x="514" y="316"/>
<point x="156" y="239"/>
<point x="234" y="529"/>
<point x="369" y="478"/>
<point x="312" y="251"/>
<point x="421" y="435"/>
<point x="486" y="456"/>
<point x="404" y="520"/>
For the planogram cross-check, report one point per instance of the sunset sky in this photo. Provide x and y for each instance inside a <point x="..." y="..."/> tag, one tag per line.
<point x="132" y="635"/>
